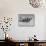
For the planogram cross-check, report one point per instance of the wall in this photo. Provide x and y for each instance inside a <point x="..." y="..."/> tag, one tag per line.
<point x="12" y="8"/>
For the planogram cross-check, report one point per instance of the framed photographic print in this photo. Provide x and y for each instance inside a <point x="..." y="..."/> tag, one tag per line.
<point x="26" y="20"/>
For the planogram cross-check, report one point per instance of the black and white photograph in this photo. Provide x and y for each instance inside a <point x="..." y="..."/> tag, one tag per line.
<point x="26" y="20"/>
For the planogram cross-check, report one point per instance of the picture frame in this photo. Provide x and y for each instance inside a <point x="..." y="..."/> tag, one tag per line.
<point x="27" y="20"/>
